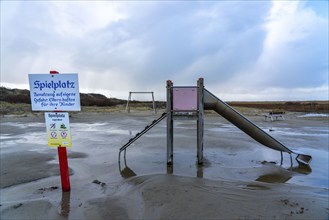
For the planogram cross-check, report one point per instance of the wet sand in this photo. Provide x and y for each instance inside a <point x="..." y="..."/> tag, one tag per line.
<point x="240" y="179"/>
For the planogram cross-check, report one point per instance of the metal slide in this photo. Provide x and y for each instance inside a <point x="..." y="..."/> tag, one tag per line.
<point x="138" y="135"/>
<point x="211" y="102"/>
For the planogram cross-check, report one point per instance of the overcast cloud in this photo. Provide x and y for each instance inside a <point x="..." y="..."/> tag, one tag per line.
<point x="245" y="50"/>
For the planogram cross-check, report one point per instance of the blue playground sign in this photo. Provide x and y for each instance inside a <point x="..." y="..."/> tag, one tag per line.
<point x="54" y="92"/>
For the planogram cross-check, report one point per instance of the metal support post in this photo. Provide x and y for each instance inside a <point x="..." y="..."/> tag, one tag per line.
<point x="170" y="124"/>
<point x="127" y="106"/>
<point x="129" y="99"/>
<point x="154" y="107"/>
<point x="200" y="121"/>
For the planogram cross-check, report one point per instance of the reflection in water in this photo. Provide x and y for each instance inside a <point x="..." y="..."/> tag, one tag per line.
<point x="278" y="175"/>
<point x="64" y="209"/>
<point x="199" y="171"/>
<point x="283" y="175"/>
<point x="199" y="167"/>
<point x="127" y="172"/>
<point x="170" y="169"/>
<point x="302" y="168"/>
<point x="257" y="187"/>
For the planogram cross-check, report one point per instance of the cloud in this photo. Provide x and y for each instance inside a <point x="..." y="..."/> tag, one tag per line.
<point x="179" y="44"/>
<point x="294" y="56"/>
<point x="243" y="49"/>
<point x="296" y="47"/>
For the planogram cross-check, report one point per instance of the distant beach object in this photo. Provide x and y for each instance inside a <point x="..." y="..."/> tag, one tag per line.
<point x="129" y="99"/>
<point x="274" y="115"/>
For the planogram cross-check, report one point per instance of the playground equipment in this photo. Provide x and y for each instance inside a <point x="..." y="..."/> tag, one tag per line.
<point x="189" y="103"/>
<point x="129" y="99"/>
<point x="274" y="115"/>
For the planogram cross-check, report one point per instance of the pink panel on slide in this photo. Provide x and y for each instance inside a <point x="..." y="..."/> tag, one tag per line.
<point x="185" y="99"/>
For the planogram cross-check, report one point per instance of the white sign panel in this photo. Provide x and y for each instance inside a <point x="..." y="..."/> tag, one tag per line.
<point x="58" y="129"/>
<point x="51" y="92"/>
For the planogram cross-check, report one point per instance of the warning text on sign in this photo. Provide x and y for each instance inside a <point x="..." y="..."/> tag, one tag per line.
<point x="51" y="92"/>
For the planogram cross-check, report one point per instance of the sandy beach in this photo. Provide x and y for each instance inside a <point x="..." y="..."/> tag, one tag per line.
<point x="240" y="179"/>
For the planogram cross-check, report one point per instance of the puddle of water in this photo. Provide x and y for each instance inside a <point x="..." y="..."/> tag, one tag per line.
<point x="104" y="128"/>
<point x="306" y="131"/>
<point x="23" y="125"/>
<point x="310" y="115"/>
<point x="226" y="158"/>
<point x="33" y="138"/>
<point x="84" y="127"/>
<point x="224" y="128"/>
<point x="260" y="164"/>
<point x="5" y="136"/>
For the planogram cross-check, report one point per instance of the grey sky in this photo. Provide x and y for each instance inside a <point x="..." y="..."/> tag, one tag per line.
<point x="245" y="50"/>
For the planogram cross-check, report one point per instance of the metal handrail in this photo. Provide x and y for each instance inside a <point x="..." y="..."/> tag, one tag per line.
<point x="138" y="135"/>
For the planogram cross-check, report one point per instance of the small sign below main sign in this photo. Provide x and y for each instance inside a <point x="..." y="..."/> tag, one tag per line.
<point x="58" y="129"/>
<point x="53" y="92"/>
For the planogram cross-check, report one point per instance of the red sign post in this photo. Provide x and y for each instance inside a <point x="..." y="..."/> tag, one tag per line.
<point x="64" y="168"/>
<point x="63" y="162"/>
